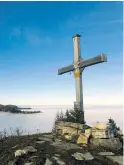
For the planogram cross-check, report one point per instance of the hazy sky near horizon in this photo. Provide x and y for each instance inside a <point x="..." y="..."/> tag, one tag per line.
<point x="36" y="40"/>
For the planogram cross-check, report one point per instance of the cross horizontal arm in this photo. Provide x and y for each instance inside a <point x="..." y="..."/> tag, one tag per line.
<point x="65" y="69"/>
<point x="98" y="59"/>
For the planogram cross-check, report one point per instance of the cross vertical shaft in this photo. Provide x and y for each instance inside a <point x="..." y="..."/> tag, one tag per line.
<point x="78" y="74"/>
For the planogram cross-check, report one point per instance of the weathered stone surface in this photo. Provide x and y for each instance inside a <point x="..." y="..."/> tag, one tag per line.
<point x="99" y="133"/>
<point x="103" y="130"/>
<point x="48" y="136"/>
<point x="78" y="156"/>
<point x="33" y="157"/>
<point x="14" y="146"/>
<point x="69" y="128"/>
<point x="82" y="139"/>
<point x="30" y="149"/>
<point x="40" y="142"/>
<point x="29" y="163"/>
<point x="106" y="153"/>
<point x="99" y="130"/>
<point x="88" y="132"/>
<point x="45" y="139"/>
<point x="60" y="124"/>
<point x="83" y="156"/>
<point x="113" y="143"/>
<point x="20" y="153"/>
<point x="65" y="145"/>
<point x="68" y="137"/>
<point x="48" y="162"/>
<point x="57" y="155"/>
<point x="58" y="160"/>
<point x="100" y="126"/>
<point x="88" y="156"/>
<point x="117" y="159"/>
<point x="58" y="140"/>
<point x="11" y="163"/>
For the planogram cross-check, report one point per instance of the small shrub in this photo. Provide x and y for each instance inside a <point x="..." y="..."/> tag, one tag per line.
<point x="18" y="131"/>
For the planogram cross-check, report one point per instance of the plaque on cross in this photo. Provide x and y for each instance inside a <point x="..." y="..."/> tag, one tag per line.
<point x="77" y="67"/>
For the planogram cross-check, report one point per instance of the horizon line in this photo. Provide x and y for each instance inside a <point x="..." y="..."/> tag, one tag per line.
<point x="64" y="104"/>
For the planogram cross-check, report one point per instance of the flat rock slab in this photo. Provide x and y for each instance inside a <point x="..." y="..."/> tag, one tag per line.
<point x="48" y="162"/>
<point x="58" y="161"/>
<point x="30" y="149"/>
<point x="57" y="155"/>
<point x="40" y="142"/>
<point x="33" y="157"/>
<point x="65" y="145"/>
<point x="78" y="156"/>
<point x="45" y="139"/>
<point x="83" y="156"/>
<point x="116" y="159"/>
<point x="106" y="153"/>
<point x="48" y="136"/>
<point x="58" y="140"/>
<point x="15" y="147"/>
<point x="30" y="163"/>
<point x="88" y="156"/>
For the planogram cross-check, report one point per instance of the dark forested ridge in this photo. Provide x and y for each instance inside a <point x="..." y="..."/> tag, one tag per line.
<point x="15" y="109"/>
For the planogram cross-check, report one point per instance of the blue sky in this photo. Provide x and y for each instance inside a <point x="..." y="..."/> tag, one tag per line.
<point x="36" y="40"/>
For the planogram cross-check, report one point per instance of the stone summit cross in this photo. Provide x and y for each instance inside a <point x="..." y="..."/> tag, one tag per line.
<point x="77" y="67"/>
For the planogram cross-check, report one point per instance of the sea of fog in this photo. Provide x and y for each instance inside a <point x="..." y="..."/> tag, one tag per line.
<point x="43" y="122"/>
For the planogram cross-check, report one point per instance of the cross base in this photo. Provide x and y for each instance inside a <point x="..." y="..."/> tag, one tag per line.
<point x="78" y="108"/>
<point x="78" y="105"/>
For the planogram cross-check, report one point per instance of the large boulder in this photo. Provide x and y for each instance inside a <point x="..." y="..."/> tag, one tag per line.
<point x="103" y="130"/>
<point x="111" y="143"/>
<point x="88" y="132"/>
<point x="20" y="153"/>
<point x="69" y="128"/>
<point x="70" y="137"/>
<point x="100" y="126"/>
<point x="82" y="139"/>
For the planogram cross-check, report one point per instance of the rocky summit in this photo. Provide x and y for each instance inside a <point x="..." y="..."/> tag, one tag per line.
<point x="44" y="149"/>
